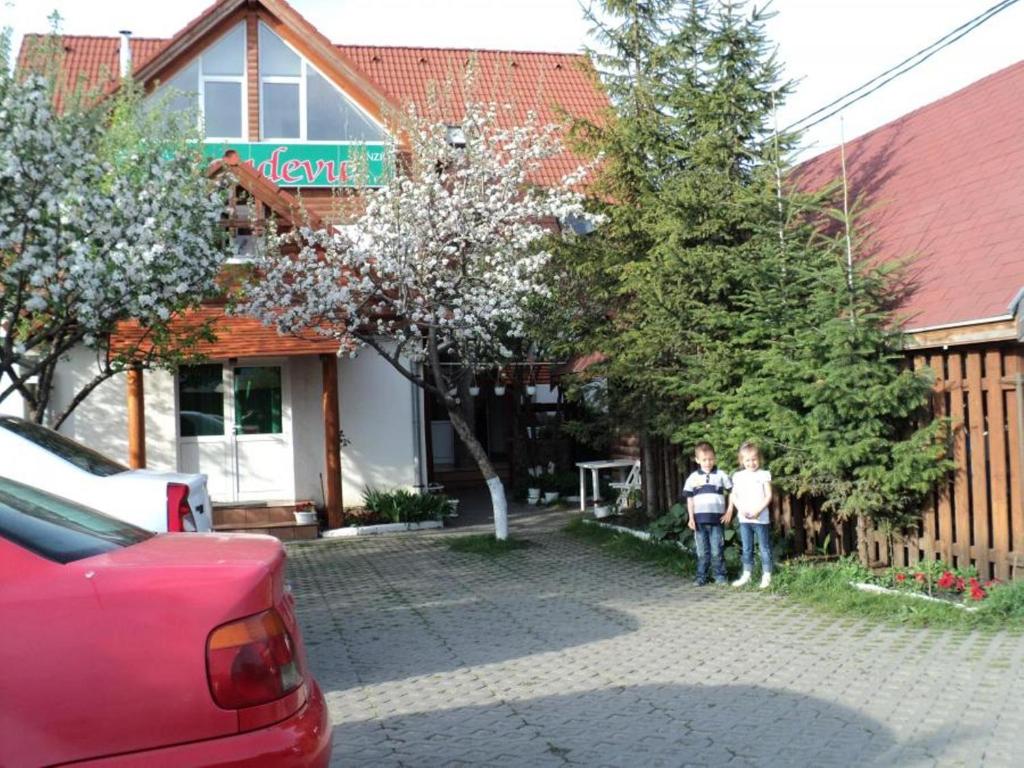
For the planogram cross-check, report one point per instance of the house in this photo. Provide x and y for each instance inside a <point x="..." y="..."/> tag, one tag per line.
<point x="285" y="112"/>
<point x="943" y="188"/>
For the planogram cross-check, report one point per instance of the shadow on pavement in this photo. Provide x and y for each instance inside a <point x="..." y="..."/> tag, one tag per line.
<point x="396" y="642"/>
<point x="674" y="724"/>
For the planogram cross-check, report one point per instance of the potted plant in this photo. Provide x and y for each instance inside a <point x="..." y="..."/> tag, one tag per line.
<point x="499" y="389"/>
<point x="548" y="482"/>
<point x="305" y="513"/>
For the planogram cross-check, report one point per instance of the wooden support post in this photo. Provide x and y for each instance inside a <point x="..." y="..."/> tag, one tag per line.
<point x="136" y="419"/>
<point x="332" y="439"/>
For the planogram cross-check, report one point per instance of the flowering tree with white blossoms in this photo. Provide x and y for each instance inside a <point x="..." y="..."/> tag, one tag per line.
<point x="435" y="275"/>
<point x="105" y="216"/>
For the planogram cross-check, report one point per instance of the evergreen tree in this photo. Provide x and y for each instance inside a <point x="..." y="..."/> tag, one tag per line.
<point x="732" y="312"/>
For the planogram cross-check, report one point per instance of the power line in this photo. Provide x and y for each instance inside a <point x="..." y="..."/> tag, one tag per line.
<point x="903" y="67"/>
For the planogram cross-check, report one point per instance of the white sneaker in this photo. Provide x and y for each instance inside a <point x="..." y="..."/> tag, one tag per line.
<point x="742" y="579"/>
<point x="766" y="580"/>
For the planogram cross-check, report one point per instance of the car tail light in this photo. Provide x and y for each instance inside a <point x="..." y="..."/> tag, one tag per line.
<point x="252" y="661"/>
<point x="179" y="513"/>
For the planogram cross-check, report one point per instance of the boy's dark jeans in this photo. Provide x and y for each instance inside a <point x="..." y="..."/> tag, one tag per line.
<point x="710" y="540"/>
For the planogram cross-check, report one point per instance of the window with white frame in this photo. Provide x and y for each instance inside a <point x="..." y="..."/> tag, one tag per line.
<point x="213" y="85"/>
<point x="297" y="102"/>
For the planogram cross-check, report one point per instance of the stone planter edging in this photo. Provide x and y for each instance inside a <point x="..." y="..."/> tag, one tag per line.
<point x="642" y="535"/>
<point x="370" y="530"/>
<point x="880" y="590"/>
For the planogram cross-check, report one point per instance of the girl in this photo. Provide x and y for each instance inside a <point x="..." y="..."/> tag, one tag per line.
<point x="751" y="495"/>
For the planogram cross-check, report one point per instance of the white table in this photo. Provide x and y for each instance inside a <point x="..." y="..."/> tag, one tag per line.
<point x="595" y="467"/>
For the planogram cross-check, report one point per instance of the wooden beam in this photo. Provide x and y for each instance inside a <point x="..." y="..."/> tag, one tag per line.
<point x="136" y="419"/>
<point x="332" y="439"/>
<point x="983" y="332"/>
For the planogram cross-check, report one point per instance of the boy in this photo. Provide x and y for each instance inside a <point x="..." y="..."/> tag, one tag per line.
<point x="704" y="491"/>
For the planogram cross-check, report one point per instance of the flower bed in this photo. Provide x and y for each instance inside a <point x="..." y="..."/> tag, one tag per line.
<point x="392" y="511"/>
<point x="938" y="581"/>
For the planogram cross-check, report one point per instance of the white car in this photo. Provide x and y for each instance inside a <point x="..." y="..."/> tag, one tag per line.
<point x="157" y="501"/>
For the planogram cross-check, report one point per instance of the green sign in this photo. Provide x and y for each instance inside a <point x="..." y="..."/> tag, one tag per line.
<point x="313" y="165"/>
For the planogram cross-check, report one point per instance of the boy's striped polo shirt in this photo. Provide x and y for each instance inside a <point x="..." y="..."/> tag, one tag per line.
<point x="707" y="489"/>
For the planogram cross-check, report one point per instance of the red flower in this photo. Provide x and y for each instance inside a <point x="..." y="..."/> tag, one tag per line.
<point x="977" y="593"/>
<point x="920" y="577"/>
<point x="947" y="580"/>
<point x="901" y="577"/>
<point x="959" y="586"/>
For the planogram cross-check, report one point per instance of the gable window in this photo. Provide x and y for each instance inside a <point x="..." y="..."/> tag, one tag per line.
<point x="213" y="85"/>
<point x="297" y="102"/>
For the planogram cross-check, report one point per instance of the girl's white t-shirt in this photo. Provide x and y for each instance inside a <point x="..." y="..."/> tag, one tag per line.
<point x="748" y="488"/>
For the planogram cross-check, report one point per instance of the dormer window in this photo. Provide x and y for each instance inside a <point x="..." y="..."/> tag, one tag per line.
<point x="213" y="86"/>
<point x="298" y="102"/>
<point x="455" y="136"/>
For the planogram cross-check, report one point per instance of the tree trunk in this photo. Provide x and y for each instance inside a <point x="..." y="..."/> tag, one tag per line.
<point x="494" y="484"/>
<point x="650" y="479"/>
<point x="467" y="408"/>
<point x="862" y="541"/>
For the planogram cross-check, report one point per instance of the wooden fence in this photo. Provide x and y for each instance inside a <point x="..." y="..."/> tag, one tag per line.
<point x="975" y="519"/>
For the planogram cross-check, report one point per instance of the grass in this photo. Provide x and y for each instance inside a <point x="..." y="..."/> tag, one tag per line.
<point x="826" y="586"/>
<point x="666" y="556"/>
<point x="485" y="544"/>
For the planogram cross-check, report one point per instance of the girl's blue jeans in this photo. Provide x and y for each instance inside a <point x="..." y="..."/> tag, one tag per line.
<point x="763" y="534"/>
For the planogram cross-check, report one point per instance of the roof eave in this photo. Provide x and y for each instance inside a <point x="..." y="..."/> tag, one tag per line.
<point x="982" y="331"/>
<point x="188" y="35"/>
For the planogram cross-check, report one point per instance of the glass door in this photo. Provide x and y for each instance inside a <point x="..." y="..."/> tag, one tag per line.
<point x="232" y="426"/>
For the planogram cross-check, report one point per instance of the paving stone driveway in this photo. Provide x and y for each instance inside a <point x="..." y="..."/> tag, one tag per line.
<point x="559" y="655"/>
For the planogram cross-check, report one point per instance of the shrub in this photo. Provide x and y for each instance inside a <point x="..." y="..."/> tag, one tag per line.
<point x="673" y="525"/>
<point x="404" y="506"/>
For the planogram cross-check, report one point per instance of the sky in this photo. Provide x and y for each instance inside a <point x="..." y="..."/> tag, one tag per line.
<point x="829" y="46"/>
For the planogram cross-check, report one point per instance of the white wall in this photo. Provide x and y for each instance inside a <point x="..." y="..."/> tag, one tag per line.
<point x="546" y="394"/>
<point x="308" y="428"/>
<point x="101" y="420"/>
<point x="12" y="405"/>
<point x="377" y="419"/>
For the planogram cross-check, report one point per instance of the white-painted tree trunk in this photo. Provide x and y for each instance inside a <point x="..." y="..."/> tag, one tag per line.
<point x="500" y="506"/>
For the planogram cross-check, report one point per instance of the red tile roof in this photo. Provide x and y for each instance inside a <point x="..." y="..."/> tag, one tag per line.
<point x="551" y="84"/>
<point x="944" y="186"/>
<point x="90" y="63"/>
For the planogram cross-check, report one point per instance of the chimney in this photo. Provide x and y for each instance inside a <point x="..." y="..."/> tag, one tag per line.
<point x="125" y="53"/>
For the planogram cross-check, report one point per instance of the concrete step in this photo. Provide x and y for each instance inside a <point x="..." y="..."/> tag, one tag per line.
<point x="286" y="531"/>
<point x="235" y="515"/>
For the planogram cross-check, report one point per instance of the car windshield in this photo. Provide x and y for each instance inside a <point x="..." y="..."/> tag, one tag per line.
<point x="87" y="459"/>
<point x="58" y="529"/>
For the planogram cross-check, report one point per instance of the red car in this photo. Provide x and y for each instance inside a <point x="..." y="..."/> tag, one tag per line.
<point x="124" y="648"/>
